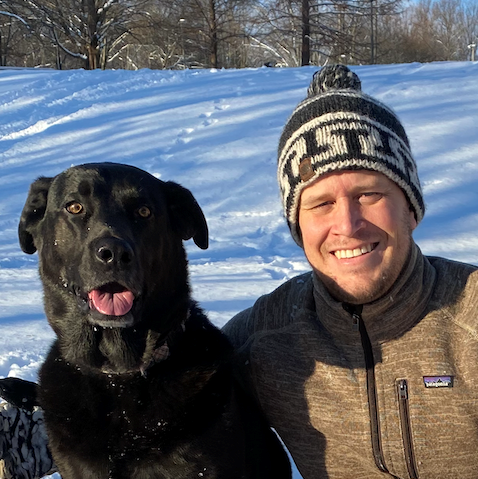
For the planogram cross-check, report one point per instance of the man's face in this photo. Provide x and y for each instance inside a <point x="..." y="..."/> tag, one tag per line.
<point x="357" y="230"/>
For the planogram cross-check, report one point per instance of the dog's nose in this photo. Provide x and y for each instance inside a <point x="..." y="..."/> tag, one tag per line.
<point x="114" y="251"/>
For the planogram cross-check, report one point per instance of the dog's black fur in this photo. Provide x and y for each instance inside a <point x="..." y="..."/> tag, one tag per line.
<point x="149" y="393"/>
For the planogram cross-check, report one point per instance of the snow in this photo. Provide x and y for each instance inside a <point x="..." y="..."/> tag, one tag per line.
<point x="216" y="133"/>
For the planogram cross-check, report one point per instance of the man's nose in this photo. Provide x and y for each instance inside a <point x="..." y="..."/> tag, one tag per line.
<point x="348" y="218"/>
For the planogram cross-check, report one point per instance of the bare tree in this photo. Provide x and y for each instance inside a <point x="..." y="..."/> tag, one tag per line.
<point x="214" y="30"/>
<point x="274" y="33"/>
<point x="84" y="29"/>
<point x="448" y="19"/>
<point x="232" y="33"/>
<point x="13" y="28"/>
<point x="470" y="27"/>
<point x="433" y="30"/>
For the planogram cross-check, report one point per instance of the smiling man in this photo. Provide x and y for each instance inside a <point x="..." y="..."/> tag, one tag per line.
<point x="356" y="231"/>
<point x="366" y="366"/>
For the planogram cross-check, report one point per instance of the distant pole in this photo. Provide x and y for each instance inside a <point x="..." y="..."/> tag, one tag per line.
<point x="472" y="47"/>
<point x="181" y="21"/>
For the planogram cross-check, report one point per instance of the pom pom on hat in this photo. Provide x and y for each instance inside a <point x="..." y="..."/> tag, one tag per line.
<point x="336" y="128"/>
<point x="334" y="77"/>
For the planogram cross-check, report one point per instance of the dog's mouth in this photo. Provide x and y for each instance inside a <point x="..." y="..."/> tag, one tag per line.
<point x="111" y="299"/>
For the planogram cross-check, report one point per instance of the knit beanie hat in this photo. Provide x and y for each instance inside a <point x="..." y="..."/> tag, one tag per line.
<point x="337" y="127"/>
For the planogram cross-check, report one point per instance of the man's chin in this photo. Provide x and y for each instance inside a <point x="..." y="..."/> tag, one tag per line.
<point x="357" y="291"/>
<point x="355" y="298"/>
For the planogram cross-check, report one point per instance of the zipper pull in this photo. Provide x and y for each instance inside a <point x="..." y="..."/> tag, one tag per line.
<point x="356" y="312"/>
<point x="403" y="389"/>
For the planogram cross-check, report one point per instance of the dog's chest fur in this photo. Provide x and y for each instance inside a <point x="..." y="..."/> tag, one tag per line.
<point x="142" y="425"/>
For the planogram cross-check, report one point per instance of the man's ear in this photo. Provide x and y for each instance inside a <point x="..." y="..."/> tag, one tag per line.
<point x="32" y="213"/>
<point x="186" y="215"/>
<point x="412" y="220"/>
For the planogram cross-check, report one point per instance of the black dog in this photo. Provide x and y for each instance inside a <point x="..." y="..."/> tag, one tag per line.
<point x="139" y="383"/>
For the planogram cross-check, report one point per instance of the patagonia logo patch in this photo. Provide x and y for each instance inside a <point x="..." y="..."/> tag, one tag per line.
<point x="438" y="381"/>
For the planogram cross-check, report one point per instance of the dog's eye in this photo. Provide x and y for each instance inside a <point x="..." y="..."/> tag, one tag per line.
<point x="74" y="208"/>
<point x="144" y="212"/>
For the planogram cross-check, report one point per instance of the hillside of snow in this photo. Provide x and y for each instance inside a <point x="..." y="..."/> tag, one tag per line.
<point x="216" y="133"/>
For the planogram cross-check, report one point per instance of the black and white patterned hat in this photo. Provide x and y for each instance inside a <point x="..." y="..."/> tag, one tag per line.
<point x="337" y="127"/>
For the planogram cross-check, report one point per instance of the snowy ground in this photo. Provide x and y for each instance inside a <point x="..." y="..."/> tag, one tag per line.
<point x="216" y="133"/>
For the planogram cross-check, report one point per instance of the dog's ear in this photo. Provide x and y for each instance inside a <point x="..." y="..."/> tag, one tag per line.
<point x="20" y="393"/>
<point x="186" y="215"/>
<point x="32" y="213"/>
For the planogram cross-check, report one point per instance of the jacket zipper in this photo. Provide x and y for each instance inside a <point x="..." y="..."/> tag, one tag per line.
<point x="358" y="324"/>
<point x="402" y="388"/>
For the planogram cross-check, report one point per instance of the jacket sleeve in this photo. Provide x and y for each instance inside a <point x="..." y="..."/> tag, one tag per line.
<point x="271" y="311"/>
<point x="24" y="452"/>
<point x="240" y="328"/>
<point x="240" y="331"/>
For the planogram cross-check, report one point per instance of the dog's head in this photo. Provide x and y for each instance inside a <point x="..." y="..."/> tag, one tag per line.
<point x="109" y="239"/>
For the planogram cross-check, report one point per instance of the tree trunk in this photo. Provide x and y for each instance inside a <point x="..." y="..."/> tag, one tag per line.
<point x="93" y="57"/>
<point x="2" y="62"/>
<point x="93" y="53"/>
<point x="372" y="33"/>
<point x="305" y="33"/>
<point x="213" y="34"/>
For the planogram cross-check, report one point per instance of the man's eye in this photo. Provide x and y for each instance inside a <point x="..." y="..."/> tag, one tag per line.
<point x="324" y="204"/>
<point x="319" y="207"/>
<point x="370" y="197"/>
<point x="74" y="208"/>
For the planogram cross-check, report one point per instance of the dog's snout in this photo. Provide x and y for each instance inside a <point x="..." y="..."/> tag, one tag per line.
<point x="114" y="251"/>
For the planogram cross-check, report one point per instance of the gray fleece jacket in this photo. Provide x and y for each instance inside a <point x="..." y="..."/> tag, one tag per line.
<point x="389" y="389"/>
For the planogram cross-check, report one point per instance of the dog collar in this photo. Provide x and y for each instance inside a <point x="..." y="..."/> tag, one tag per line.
<point x="161" y="353"/>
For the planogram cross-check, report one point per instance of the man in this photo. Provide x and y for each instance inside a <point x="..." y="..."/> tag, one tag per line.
<point x="367" y="366"/>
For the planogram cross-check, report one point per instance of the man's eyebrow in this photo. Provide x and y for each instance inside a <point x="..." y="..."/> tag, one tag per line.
<point x="316" y="198"/>
<point x="373" y="185"/>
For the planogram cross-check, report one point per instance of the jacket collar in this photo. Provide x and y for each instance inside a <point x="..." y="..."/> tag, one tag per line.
<point x="391" y="315"/>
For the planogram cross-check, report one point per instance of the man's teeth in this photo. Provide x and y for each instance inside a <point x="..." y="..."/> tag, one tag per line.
<point x="352" y="253"/>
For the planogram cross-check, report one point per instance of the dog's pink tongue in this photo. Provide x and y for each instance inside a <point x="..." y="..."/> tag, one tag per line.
<point x="111" y="304"/>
